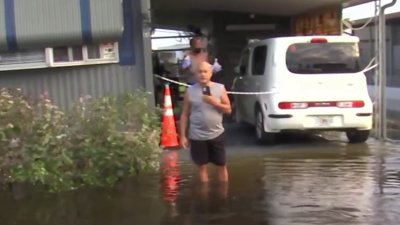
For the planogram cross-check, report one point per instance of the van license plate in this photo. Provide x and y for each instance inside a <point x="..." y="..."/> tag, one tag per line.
<point x="325" y="121"/>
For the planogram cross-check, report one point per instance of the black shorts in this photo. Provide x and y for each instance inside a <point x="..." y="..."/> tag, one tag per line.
<point x="211" y="151"/>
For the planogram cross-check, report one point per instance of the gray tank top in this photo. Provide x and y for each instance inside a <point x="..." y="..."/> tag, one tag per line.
<point x="205" y="121"/>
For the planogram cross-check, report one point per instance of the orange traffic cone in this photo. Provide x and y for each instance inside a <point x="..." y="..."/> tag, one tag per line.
<point x="169" y="136"/>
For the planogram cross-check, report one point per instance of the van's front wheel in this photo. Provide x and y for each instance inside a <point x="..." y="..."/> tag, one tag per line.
<point x="262" y="136"/>
<point x="357" y="136"/>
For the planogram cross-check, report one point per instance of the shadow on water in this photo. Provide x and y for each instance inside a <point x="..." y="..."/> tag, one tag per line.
<point x="298" y="181"/>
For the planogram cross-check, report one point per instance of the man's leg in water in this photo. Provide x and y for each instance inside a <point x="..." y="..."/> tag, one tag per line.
<point x="199" y="153"/>
<point x="217" y="156"/>
<point x="203" y="173"/>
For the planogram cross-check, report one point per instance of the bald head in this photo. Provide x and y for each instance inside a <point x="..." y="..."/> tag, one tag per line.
<point x="205" y="72"/>
<point x="205" y="66"/>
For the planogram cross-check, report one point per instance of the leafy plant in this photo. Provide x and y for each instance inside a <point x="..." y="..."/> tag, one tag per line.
<point x="97" y="143"/>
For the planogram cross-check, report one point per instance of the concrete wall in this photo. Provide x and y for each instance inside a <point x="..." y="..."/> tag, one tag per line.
<point x="66" y="85"/>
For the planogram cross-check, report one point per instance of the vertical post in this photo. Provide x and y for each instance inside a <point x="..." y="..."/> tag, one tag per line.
<point x="382" y="83"/>
<point x="384" y="77"/>
<point x="383" y="71"/>
<point x="376" y="75"/>
<point x="147" y="51"/>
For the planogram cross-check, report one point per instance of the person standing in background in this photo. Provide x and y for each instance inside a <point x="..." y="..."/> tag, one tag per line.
<point x="198" y="53"/>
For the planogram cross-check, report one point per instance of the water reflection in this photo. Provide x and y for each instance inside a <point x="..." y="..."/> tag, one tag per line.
<point x="324" y="183"/>
<point x="201" y="203"/>
<point x="320" y="186"/>
<point x="171" y="176"/>
<point x="187" y="200"/>
<point x="217" y="202"/>
<point x="296" y="184"/>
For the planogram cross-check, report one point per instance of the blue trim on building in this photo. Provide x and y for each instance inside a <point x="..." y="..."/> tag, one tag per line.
<point x="126" y="45"/>
<point x="86" y="21"/>
<point x="11" y="34"/>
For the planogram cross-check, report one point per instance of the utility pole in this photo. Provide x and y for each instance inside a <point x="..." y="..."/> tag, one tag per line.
<point x="383" y="71"/>
<point x="377" y="125"/>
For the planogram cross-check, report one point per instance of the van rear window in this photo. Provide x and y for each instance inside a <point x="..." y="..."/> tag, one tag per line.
<point x="323" y="58"/>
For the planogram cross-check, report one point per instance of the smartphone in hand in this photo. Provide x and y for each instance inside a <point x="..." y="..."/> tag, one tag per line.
<point x="206" y="90"/>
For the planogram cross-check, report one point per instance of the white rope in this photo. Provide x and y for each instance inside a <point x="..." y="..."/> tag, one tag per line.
<point x="171" y="81"/>
<point x="251" y="93"/>
<point x="366" y="69"/>
<point x="371" y="62"/>
<point x="369" y="66"/>
<point x="229" y="92"/>
<point x="367" y="22"/>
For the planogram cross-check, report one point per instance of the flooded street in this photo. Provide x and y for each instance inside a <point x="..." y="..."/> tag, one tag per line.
<point x="301" y="180"/>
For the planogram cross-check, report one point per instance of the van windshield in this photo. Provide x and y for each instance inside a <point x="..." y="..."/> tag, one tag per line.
<point x="323" y="58"/>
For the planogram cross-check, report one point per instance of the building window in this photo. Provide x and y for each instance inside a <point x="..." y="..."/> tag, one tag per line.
<point x="60" y="57"/>
<point x="82" y="55"/>
<point x="68" y="54"/>
<point x="93" y="52"/>
<point x="76" y="53"/>
<point x="25" y="59"/>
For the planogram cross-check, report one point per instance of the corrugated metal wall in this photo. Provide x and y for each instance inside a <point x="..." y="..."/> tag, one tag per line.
<point x="106" y="18"/>
<point x="65" y="85"/>
<point x="47" y="23"/>
<point x="3" y="41"/>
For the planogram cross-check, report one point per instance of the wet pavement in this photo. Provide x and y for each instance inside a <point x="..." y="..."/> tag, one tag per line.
<point x="304" y="179"/>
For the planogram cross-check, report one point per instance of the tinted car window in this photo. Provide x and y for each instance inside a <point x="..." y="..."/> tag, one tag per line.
<point x="244" y="62"/>
<point x="259" y="60"/>
<point x="323" y="58"/>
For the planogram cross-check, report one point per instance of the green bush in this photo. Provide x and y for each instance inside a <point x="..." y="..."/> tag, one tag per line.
<point x="97" y="143"/>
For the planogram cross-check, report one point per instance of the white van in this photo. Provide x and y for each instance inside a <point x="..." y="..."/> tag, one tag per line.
<point x="313" y="83"/>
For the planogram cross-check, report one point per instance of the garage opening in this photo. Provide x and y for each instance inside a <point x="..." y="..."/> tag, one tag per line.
<point x="228" y="25"/>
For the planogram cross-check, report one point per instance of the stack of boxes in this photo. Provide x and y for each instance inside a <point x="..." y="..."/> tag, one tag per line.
<point x="321" y="22"/>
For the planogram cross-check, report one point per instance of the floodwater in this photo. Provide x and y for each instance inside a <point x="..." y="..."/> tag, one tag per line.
<point x="305" y="180"/>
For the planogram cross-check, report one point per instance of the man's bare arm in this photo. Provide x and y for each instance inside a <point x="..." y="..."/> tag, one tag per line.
<point x="225" y="105"/>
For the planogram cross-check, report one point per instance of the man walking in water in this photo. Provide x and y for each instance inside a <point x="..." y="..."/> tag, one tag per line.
<point x="204" y="104"/>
